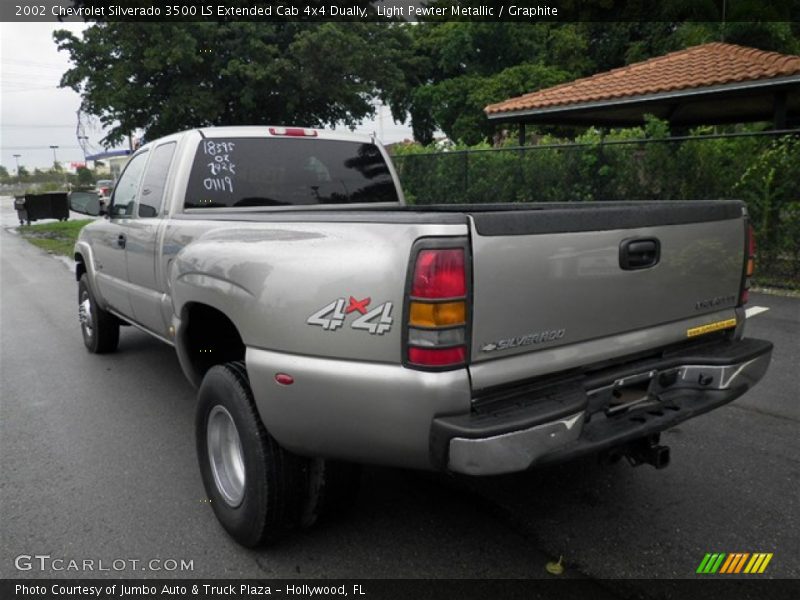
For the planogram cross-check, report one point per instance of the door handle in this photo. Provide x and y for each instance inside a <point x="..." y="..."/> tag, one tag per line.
<point x="639" y="253"/>
<point x="121" y="240"/>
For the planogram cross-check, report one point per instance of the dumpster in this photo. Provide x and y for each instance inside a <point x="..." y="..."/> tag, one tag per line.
<point x="19" y="206"/>
<point x="51" y="205"/>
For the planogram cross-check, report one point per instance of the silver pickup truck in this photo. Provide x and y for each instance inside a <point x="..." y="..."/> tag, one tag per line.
<point x="326" y="323"/>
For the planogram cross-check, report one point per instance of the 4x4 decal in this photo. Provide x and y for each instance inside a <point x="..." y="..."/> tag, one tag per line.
<point x="332" y="316"/>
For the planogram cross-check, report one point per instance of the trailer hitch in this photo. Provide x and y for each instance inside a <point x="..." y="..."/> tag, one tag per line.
<point x="647" y="451"/>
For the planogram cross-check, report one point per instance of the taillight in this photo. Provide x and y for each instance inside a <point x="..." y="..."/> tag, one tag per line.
<point x="751" y="251"/>
<point x="436" y="331"/>
<point x="749" y="264"/>
<point x="439" y="274"/>
<point x="437" y="357"/>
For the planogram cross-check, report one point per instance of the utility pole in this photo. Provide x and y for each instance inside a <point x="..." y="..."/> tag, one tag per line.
<point x="722" y="29"/>
<point x="55" y="162"/>
<point x="16" y="158"/>
<point x="82" y="141"/>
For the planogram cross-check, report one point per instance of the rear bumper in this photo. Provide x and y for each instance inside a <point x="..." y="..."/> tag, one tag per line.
<point x="577" y="416"/>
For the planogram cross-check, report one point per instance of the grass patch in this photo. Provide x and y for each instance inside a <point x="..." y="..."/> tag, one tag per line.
<point x="55" y="238"/>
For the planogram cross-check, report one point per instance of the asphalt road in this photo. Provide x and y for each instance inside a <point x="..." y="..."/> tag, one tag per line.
<point x="98" y="463"/>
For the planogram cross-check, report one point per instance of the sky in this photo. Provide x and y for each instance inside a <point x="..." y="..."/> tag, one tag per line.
<point x="36" y="114"/>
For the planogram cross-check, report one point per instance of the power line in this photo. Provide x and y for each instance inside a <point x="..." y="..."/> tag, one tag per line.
<point x="35" y="63"/>
<point x="16" y="80"/>
<point x="33" y="89"/>
<point x="26" y="79"/>
<point x="30" y="84"/>
<point x="21" y="67"/>
<point x="38" y="147"/>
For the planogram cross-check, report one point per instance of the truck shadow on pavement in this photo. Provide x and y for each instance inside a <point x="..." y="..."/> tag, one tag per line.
<point x="402" y="524"/>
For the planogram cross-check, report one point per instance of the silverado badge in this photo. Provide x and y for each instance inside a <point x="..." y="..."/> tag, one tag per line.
<point x="524" y="340"/>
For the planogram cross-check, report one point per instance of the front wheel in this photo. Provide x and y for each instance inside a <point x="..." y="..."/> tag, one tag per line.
<point x="100" y="328"/>
<point x="254" y="485"/>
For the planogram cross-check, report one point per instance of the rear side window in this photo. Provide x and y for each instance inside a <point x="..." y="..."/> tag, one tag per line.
<point x="155" y="180"/>
<point x="234" y="172"/>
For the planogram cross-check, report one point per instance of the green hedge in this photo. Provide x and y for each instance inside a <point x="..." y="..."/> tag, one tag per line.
<point x="762" y="170"/>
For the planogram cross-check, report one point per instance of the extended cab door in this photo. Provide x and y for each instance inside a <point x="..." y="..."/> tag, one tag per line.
<point x="110" y="238"/>
<point x="143" y="242"/>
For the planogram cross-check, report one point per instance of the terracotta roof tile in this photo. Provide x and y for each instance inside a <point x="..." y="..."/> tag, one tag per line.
<point x="700" y="66"/>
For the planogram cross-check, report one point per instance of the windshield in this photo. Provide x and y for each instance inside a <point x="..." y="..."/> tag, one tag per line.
<point x="236" y="172"/>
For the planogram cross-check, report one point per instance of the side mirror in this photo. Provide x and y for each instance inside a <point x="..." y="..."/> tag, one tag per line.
<point x="86" y="203"/>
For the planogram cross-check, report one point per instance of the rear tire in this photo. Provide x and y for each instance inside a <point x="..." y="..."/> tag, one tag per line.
<point x="254" y="485"/>
<point x="331" y="489"/>
<point x="100" y="328"/>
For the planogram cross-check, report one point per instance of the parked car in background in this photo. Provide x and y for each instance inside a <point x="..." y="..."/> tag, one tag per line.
<point x="104" y="187"/>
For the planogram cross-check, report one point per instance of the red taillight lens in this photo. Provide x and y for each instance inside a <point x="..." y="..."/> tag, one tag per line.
<point x="438" y="311"/>
<point x="439" y="274"/>
<point x="749" y="265"/>
<point x="437" y="357"/>
<point x="751" y="251"/>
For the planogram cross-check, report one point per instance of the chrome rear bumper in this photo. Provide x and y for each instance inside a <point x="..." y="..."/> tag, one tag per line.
<point x="673" y="389"/>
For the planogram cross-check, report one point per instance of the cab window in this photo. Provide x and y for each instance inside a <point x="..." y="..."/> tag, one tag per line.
<point x="155" y="180"/>
<point x="287" y="171"/>
<point x="128" y="186"/>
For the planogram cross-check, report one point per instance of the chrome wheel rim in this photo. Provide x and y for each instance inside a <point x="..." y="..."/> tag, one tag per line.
<point x="85" y="315"/>
<point x="225" y="455"/>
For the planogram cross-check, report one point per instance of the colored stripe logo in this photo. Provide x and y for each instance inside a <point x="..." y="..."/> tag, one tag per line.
<point x="734" y="563"/>
<point x="716" y="326"/>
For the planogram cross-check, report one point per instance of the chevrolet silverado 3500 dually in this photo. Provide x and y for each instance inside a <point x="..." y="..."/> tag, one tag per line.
<point x="327" y="323"/>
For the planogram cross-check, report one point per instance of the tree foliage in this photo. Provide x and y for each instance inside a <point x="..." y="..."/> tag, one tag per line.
<point x="454" y="69"/>
<point x="84" y="176"/>
<point x="165" y="77"/>
<point x="460" y="67"/>
<point x="761" y="170"/>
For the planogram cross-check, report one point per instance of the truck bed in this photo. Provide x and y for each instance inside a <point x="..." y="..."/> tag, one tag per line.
<point x="546" y="275"/>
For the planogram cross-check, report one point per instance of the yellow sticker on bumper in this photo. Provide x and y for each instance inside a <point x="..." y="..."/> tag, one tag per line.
<point x="717" y="326"/>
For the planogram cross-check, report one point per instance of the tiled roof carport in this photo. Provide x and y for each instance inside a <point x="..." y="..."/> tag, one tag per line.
<point x="709" y="84"/>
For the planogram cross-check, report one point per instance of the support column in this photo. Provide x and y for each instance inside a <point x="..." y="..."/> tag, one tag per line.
<point x="779" y="110"/>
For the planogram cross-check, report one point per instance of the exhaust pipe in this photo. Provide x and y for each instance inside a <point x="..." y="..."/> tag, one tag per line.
<point x="648" y="451"/>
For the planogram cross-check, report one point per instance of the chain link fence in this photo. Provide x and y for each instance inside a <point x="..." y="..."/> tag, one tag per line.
<point x="763" y="169"/>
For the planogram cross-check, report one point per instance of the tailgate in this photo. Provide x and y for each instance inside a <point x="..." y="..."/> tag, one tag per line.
<point x="553" y="276"/>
